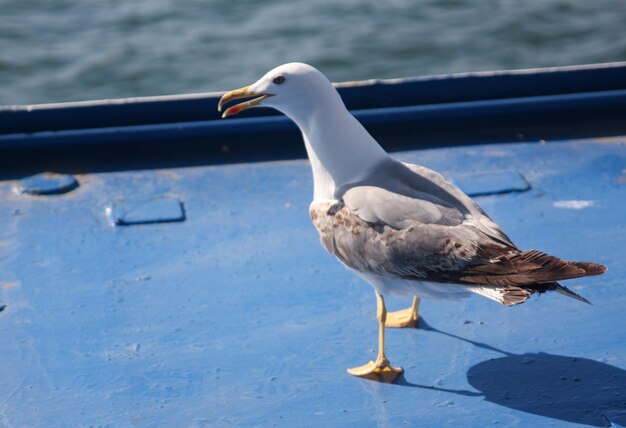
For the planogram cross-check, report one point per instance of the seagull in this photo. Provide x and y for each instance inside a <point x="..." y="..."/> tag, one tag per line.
<point x="403" y="228"/>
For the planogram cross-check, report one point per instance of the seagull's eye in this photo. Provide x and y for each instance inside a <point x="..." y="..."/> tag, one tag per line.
<point x="279" y="80"/>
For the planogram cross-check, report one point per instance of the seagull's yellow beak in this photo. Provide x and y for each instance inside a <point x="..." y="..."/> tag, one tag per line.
<point x="237" y="94"/>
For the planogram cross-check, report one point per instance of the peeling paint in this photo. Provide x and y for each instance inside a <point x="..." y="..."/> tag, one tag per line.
<point x="573" y="204"/>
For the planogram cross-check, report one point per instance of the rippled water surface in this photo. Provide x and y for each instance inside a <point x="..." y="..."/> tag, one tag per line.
<point x="61" y="50"/>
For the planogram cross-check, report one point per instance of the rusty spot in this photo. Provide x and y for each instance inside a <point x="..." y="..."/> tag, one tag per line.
<point x="610" y="140"/>
<point x="8" y="284"/>
<point x="46" y="184"/>
<point x="170" y="174"/>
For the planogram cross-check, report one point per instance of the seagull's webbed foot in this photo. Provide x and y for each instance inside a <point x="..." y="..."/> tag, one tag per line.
<point x="406" y="317"/>
<point x="380" y="370"/>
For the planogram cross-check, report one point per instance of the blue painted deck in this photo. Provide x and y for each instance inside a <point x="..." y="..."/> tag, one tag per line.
<point x="237" y="317"/>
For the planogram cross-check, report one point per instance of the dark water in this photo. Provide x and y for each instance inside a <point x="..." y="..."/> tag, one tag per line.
<point x="61" y="50"/>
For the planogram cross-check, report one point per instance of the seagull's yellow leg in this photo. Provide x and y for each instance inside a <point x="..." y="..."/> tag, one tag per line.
<point x="406" y="317"/>
<point x="380" y="369"/>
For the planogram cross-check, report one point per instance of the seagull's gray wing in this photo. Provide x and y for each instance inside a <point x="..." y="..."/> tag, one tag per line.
<point x="480" y="219"/>
<point x="395" y="193"/>
<point x="407" y="221"/>
<point x="377" y="205"/>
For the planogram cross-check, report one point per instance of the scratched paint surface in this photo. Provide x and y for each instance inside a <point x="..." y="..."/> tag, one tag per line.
<point x="236" y="316"/>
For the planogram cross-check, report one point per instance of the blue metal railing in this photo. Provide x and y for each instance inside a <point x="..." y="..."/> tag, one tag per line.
<point x="557" y="103"/>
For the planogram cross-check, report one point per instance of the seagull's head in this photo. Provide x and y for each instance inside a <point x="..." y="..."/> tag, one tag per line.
<point x="293" y="89"/>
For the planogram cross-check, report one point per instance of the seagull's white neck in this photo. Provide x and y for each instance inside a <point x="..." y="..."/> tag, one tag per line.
<point x="340" y="150"/>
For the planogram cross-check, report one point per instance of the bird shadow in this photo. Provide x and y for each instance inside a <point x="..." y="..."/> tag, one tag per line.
<point x="567" y="388"/>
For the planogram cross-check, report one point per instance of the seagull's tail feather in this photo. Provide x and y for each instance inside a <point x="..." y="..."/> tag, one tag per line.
<point x="527" y="268"/>
<point x="512" y="278"/>
<point x="590" y="268"/>
<point x="553" y="268"/>
<point x="511" y="295"/>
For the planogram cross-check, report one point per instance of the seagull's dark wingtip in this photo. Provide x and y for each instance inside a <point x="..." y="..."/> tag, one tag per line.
<point x="569" y="293"/>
